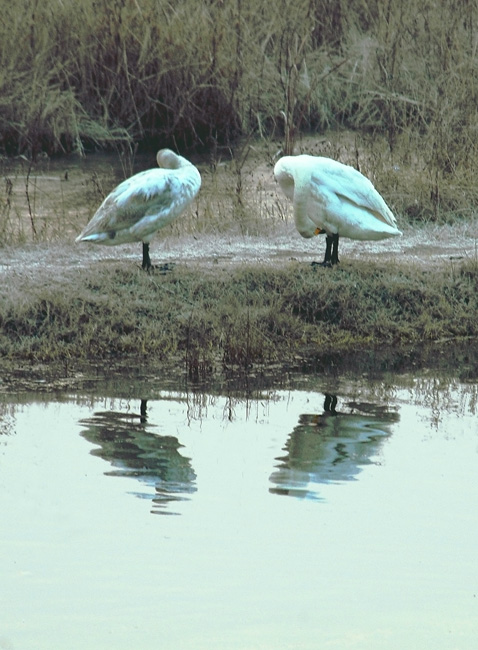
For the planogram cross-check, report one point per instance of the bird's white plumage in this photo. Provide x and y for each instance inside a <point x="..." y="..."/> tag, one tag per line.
<point x="333" y="198"/>
<point x="144" y="203"/>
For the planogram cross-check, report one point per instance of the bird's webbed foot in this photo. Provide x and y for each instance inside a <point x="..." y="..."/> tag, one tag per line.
<point x="162" y="269"/>
<point x="324" y="264"/>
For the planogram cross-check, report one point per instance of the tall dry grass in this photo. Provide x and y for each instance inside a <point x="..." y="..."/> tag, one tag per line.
<point x="75" y="71"/>
<point x="82" y="74"/>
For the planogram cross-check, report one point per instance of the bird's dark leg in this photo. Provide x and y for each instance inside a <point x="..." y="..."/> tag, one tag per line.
<point x="147" y="266"/>
<point x="334" y="258"/>
<point x="146" y="259"/>
<point x="143" y="410"/>
<point x="330" y="403"/>
<point x="328" y="251"/>
<point x="331" y="251"/>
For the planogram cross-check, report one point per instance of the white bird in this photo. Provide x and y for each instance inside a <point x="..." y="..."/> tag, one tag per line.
<point x="336" y="199"/>
<point x="144" y="203"/>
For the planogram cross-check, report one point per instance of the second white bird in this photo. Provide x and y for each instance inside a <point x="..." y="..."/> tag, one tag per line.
<point x="336" y="199"/>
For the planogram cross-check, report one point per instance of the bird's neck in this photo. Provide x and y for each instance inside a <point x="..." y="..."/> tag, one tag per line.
<point x="303" y="223"/>
<point x="192" y="179"/>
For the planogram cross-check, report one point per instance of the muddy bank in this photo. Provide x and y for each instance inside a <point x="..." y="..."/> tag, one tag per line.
<point x="217" y="313"/>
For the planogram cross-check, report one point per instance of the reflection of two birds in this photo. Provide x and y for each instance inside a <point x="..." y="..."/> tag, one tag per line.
<point x="327" y="447"/>
<point x="332" y="446"/>
<point x="124" y="440"/>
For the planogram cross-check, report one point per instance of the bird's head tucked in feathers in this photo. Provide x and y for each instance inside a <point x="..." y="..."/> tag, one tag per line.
<point x="167" y="159"/>
<point x="285" y="177"/>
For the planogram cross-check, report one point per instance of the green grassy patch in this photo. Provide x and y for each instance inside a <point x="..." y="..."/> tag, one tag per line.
<point x="241" y="317"/>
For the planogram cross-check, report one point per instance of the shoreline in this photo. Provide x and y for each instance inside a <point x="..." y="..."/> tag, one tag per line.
<point x="236" y="303"/>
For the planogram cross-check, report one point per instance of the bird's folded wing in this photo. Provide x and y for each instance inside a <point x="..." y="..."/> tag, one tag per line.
<point x="346" y="182"/>
<point x="131" y="201"/>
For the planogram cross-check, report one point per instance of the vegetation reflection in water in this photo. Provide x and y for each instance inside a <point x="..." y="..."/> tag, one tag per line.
<point x="331" y="446"/>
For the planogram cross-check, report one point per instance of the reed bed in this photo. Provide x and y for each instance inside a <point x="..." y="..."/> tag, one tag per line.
<point x="84" y="72"/>
<point x="78" y="75"/>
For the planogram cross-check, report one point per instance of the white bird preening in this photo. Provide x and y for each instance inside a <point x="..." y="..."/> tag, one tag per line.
<point x="336" y="199"/>
<point x="144" y="203"/>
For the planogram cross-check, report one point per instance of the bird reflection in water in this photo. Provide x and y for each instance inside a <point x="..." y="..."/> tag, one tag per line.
<point x="331" y="447"/>
<point x="125" y="440"/>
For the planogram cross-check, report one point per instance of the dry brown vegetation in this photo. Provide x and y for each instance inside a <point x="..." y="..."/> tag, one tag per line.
<point x="78" y="74"/>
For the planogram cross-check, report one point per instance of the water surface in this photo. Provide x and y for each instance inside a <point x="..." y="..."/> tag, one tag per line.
<point x="329" y="515"/>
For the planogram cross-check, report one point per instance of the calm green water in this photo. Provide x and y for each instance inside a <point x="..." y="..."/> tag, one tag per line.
<point x="274" y="519"/>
